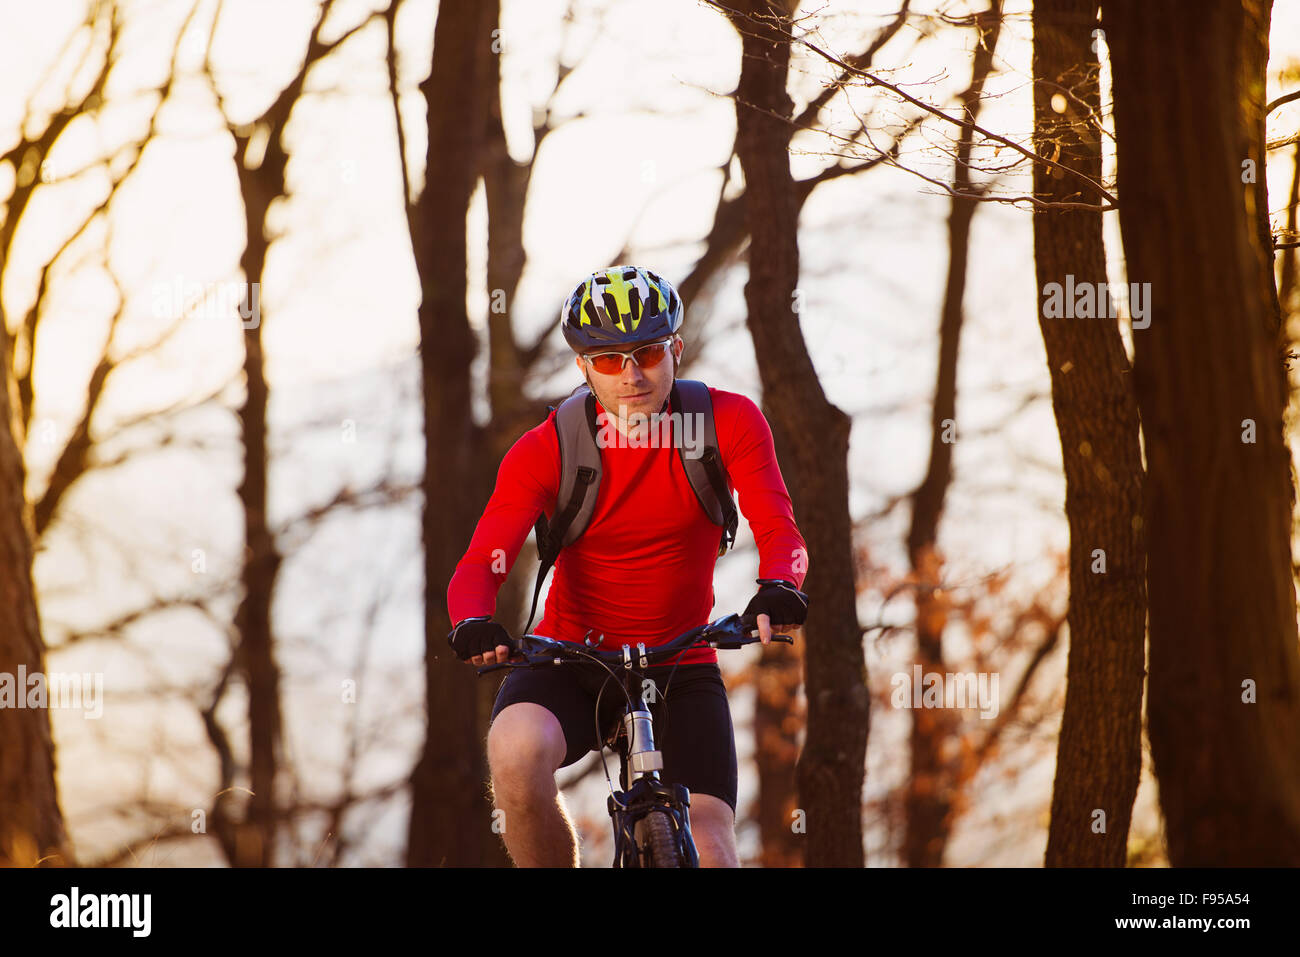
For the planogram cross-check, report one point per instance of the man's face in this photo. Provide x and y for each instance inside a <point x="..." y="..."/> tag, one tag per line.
<point x="635" y="389"/>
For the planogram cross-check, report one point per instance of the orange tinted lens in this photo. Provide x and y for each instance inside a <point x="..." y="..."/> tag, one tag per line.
<point x="651" y="356"/>
<point x="607" y="363"/>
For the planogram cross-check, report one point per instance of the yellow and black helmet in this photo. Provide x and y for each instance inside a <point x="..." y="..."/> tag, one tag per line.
<point x="620" y="306"/>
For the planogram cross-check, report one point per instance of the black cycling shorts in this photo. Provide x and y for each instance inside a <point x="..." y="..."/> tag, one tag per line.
<point x="692" y="719"/>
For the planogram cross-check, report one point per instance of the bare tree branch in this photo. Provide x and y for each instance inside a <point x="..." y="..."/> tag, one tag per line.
<point x="874" y="80"/>
<point x="1285" y="98"/>
<point x="859" y="61"/>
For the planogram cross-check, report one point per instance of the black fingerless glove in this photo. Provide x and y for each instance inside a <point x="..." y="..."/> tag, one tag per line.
<point x="474" y="636"/>
<point x="780" y="601"/>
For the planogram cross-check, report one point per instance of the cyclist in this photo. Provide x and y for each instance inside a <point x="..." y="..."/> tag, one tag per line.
<point x="642" y="571"/>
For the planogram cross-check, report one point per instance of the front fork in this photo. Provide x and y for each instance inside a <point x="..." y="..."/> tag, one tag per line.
<point x="645" y="792"/>
<point x="646" y="795"/>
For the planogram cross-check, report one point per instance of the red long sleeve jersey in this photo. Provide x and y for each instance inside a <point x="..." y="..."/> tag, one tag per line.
<point x="643" y="569"/>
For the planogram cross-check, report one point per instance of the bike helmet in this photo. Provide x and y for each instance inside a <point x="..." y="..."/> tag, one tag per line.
<point x="620" y="306"/>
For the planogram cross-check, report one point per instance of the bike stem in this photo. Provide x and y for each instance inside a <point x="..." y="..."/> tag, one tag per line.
<point x="643" y="760"/>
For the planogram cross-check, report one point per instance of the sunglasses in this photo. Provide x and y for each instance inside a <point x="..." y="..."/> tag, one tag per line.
<point x="647" y="357"/>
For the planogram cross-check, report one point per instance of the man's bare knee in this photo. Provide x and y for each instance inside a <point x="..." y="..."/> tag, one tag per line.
<point x="525" y="747"/>
<point x="713" y="824"/>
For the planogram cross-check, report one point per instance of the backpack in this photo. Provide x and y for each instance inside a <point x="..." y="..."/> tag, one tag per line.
<point x="580" y="473"/>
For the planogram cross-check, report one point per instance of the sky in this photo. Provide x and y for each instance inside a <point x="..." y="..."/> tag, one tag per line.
<point x="644" y="126"/>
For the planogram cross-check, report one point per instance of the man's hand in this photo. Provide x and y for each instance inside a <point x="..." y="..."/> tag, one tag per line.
<point x="779" y="602"/>
<point x="481" y="641"/>
<point x="499" y="656"/>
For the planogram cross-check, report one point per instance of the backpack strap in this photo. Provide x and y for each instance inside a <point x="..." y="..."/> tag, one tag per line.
<point x="705" y="471"/>
<point x="580" y="473"/>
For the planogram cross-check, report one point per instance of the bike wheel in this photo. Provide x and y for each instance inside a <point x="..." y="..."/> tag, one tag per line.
<point x="658" y="841"/>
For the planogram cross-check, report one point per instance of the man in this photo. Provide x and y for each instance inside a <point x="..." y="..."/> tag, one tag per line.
<point x="642" y="571"/>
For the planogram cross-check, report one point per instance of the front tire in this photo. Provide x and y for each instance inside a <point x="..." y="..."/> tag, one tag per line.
<point x="658" y="841"/>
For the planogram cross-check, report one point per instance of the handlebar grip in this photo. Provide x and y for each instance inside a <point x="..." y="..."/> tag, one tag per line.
<point x="753" y="639"/>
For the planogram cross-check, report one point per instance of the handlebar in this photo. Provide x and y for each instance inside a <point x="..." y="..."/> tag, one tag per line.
<point x="539" y="651"/>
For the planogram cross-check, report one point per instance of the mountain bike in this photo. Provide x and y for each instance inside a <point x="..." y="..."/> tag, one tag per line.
<point x="652" y="826"/>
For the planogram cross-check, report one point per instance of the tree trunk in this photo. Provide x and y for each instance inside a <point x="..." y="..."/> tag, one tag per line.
<point x="254" y="837"/>
<point x="778" y="675"/>
<point x="1223" y="707"/>
<point x="928" y="801"/>
<point x="250" y="842"/>
<point x="811" y="438"/>
<point x="505" y="184"/>
<point x="1099" y="750"/>
<point x="31" y="824"/>
<point x="450" y="813"/>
